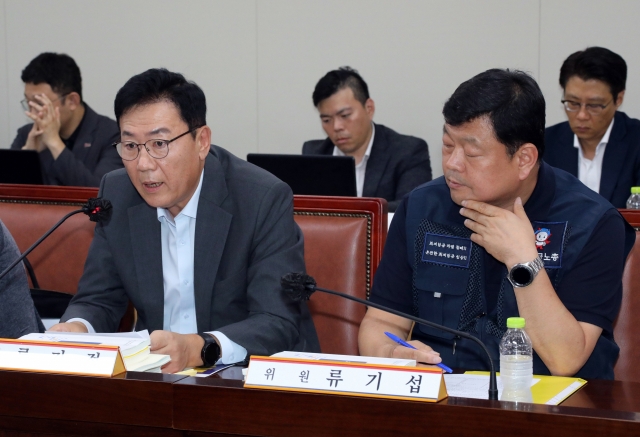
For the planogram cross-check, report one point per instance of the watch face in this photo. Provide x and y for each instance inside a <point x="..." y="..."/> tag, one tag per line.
<point x="521" y="276"/>
<point x="212" y="353"/>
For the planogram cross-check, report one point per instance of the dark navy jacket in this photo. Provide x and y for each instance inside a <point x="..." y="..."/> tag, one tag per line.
<point x="621" y="162"/>
<point x="450" y="293"/>
<point x="398" y="163"/>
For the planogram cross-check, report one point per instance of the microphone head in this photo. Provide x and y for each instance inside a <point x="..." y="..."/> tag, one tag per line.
<point x="298" y="286"/>
<point x="98" y="209"/>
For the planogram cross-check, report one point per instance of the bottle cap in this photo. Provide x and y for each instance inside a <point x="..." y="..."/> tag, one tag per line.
<point x="515" y="322"/>
<point x="635" y="190"/>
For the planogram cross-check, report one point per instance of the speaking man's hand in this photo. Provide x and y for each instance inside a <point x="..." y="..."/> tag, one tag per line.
<point x="69" y="327"/>
<point x="184" y="349"/>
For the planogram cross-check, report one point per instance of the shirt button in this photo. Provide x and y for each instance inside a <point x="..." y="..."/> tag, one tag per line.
<point x="182" y="242"/>
<point x="186" y="282"/>
<point x="186" y="316"/>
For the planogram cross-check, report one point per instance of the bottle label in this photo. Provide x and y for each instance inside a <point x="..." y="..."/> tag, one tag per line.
<point x="549" y="239"/>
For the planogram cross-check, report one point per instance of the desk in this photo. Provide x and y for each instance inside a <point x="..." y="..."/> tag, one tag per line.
<point x="165" y="405"/>
<point x="132" y="404"/>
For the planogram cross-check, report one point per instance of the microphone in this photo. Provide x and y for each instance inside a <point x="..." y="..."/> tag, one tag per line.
<point x="300" y="287"/>
<point x="98" y="209"/>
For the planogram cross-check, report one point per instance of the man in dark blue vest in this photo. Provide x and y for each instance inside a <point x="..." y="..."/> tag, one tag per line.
<point x="501" y="234"/>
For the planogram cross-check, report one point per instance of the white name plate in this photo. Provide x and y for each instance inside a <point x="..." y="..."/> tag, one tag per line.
<point x="344" y="378"/>
<point x="58" y="357"/>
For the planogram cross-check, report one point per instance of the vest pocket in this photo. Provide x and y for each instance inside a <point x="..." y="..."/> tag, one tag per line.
<point x="440" y="293"/>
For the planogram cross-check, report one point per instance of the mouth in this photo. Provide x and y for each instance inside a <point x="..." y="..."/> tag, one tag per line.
<point x="341" y="140"/>
<point x="152" y="187"/>
<point x="453" y="184"/>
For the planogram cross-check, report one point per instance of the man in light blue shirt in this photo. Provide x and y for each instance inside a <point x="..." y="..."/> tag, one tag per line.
<point x="197" y="241"/>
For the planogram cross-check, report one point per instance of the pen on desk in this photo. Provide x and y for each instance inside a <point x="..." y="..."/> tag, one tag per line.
<point x="405" y="344"/>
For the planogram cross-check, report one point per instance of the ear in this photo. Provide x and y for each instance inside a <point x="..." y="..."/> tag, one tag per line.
<point x="527" y="156"/>
<point x="72" y="100"/>
<point x="620" y="98"/>
<point x="203" y="140"/>
<point x="370" y="108"/>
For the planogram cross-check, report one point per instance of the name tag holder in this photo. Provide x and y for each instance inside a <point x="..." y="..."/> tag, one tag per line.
<point x="347" y="378"/>
<point x="58" y="357"/>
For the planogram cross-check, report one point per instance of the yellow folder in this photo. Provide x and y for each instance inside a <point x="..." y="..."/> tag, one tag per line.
<point x="550" y="390"/>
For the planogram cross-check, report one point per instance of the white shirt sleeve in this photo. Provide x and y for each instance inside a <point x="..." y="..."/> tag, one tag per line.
<point x="230" y="352"/>
<point x="85" y="323"/>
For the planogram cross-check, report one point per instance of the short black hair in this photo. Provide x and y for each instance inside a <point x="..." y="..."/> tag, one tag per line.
<point x="57" y="70"/>
<point x="336" y="80"/>
<point x="596" y="63"/>
<point x="158" y="85"/>
<point x="512" y="101"/>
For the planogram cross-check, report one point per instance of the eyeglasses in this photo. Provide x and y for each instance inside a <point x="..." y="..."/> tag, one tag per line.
<point x="158" y="149"/>
<point x="25" y="102"/>
<point x="592" y="108"/>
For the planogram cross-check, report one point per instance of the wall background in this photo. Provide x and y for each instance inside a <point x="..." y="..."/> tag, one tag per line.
<point x="258" y="60"/>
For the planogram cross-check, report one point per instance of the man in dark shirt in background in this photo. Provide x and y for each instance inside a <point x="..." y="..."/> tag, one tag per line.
<point x="388" y="164"/>
<point x="73" y="141"/>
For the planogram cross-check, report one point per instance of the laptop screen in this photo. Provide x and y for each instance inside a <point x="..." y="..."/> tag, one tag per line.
<point x="20" y="167"/>
<point x="318" y="175"/>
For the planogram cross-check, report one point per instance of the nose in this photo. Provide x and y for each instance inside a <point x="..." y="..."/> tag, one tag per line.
<point x="582" y="113"/>
<point x="145" y="161"/>
<point x="455" y="161"/>
<point x="337" y="124"/>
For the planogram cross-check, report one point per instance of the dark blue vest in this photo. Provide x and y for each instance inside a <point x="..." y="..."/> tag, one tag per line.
<point x="449" y="289"/>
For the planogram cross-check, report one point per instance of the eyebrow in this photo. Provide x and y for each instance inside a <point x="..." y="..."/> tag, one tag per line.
<point x="472" y="140"/>
<point x="591" y="99"/>
<point x="339" y="112"/>
<point x="160" y="130"/>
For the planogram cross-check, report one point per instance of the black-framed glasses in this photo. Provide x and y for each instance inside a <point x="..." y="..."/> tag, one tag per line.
<point x="25" y="102"/>
<point x="158" y="149"/>
<point x="592" y="108"/>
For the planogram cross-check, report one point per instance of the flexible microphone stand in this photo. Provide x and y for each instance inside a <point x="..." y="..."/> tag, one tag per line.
<point x="300" y="287"/>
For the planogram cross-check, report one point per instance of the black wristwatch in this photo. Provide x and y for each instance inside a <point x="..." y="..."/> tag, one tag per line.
<point x="523" y="274"/>
<point x="210" y="353"/>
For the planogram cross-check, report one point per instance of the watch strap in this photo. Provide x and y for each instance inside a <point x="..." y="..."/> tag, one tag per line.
<point x="210" y="352"/>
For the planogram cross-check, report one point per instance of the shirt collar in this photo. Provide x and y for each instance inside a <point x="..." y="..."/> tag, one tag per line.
<point x="543" y="194"/>
<point x="190" y="210"/>
<point x="603" y="141"/>
<point x="367" y="153"/>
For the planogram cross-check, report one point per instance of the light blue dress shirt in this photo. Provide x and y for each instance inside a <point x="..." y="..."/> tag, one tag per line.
<point x="178" y="243"/>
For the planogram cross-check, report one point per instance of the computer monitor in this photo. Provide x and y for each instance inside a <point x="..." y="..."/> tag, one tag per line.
<point x="20" y="167"/>
<point x="318" y="175"/>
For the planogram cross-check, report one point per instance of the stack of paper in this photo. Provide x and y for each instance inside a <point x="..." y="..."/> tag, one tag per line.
<point x="134" y="347"/>
<point x="346" y="358"/>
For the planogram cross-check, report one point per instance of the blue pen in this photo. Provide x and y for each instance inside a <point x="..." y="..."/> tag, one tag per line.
<point x="405" y="344"/>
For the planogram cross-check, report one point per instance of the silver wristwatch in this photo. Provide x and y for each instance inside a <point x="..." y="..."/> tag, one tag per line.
<point x="523" y="274"/>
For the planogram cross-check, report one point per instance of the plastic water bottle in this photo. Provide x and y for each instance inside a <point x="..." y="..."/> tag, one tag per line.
<point x="516" y="362"/>
<point x="633" y="202"/>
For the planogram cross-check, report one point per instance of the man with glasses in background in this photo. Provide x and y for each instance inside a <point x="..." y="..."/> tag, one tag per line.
<point x="599" y="144"/>
<point x="74" y="143"/>
<point x="197" y="241"/>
